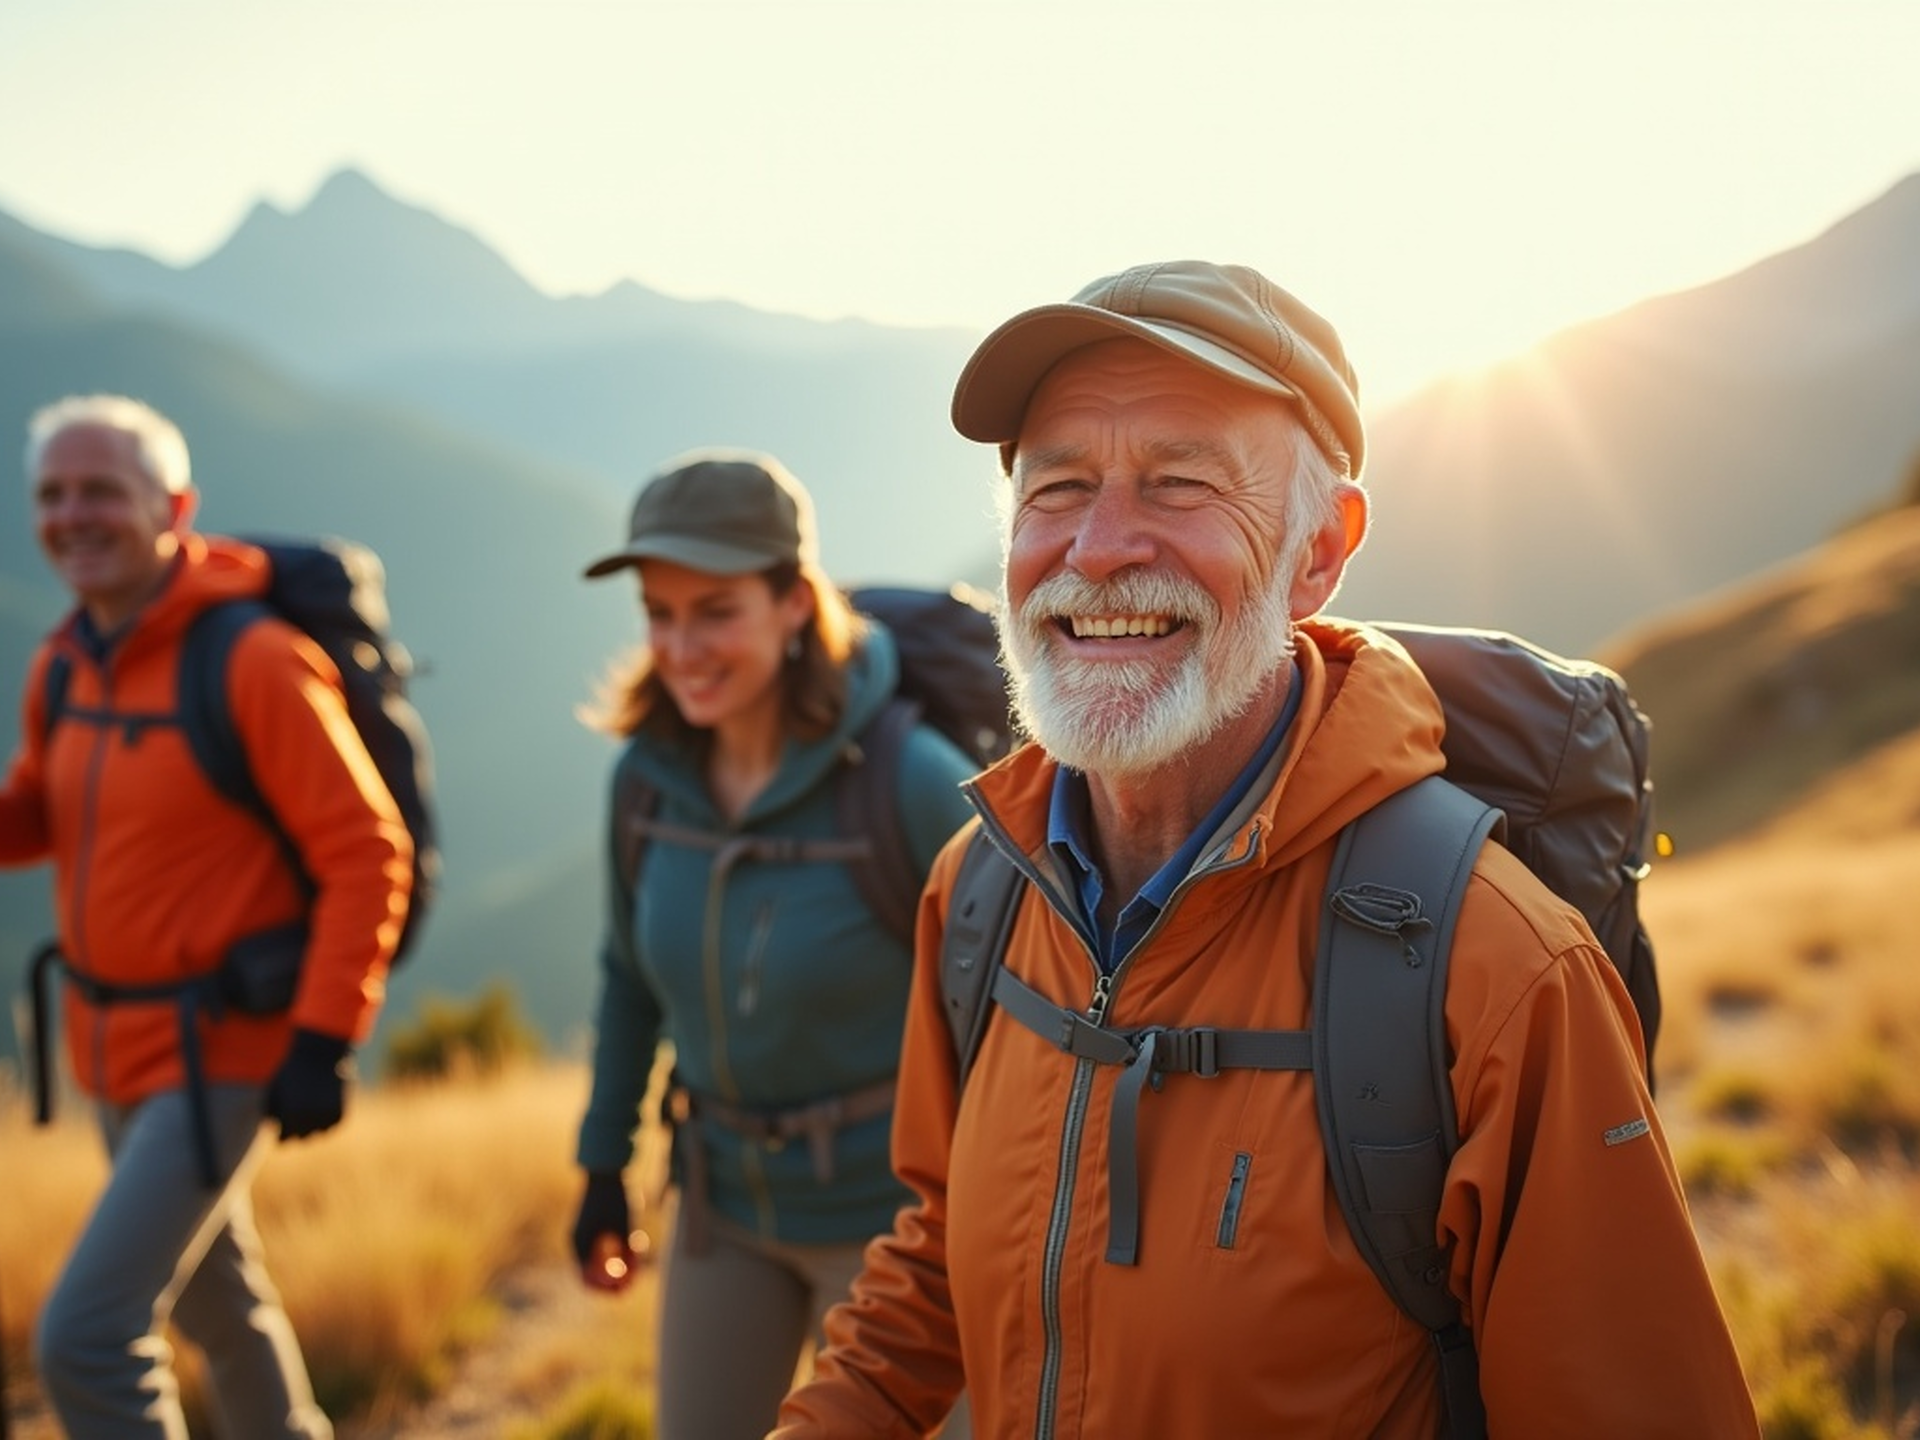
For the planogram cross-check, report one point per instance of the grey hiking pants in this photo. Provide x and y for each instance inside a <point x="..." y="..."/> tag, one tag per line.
<point x="735" y="1324"/>
<point x="161" y="1246"/>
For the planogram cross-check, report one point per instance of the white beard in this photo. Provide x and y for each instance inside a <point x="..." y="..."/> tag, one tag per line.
<point x="1122" y="717"/>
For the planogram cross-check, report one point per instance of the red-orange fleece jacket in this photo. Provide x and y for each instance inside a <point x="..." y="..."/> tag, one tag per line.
<point x="1574" y="1258"/>
<point x="156" y="874"/>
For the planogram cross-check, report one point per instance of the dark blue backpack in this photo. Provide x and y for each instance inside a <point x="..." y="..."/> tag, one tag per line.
<point x="335" y="591"/>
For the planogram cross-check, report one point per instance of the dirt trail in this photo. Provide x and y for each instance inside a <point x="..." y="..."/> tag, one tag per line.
<point x="550" y="1329"/>
<point x="551" y="1334"/>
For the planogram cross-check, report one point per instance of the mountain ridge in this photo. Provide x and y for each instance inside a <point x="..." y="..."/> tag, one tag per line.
<point x="1610" y="479"/>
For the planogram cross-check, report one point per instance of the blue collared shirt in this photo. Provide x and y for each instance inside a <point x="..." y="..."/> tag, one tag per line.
<point x="1068" y="818"/>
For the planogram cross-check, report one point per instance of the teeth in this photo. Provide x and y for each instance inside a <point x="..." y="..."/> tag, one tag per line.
<point x="1110" y="626"/>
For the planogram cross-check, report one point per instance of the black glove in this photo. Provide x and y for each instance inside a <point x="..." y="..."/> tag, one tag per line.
<point x="603" y="1211"/>
<point x="308" y="1093"/>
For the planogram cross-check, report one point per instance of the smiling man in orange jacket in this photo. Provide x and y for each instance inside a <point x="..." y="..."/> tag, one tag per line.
<point x="158" y="881"/>
<point x="1183" y="444"/>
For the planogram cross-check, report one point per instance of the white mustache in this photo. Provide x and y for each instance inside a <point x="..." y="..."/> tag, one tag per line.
<point x="1134" y="593"/>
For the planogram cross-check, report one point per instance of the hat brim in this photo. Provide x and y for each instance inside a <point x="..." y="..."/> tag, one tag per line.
<point x="710" y="556"/>
<point x="990" y="399"/>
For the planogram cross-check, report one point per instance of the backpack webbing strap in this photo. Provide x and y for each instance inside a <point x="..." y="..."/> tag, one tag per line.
<point x="1145" y="1057"/>
<point x="872" y="844"/>
<point x="40" y="972"/>
<point x="1381" y="1063"/>
<point x="131" y="723"/>
<point x="189" y="997"/>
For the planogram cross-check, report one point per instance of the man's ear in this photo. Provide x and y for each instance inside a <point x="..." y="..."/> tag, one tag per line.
<point x="1324" y="561"/>
<point x="182" y="505"/>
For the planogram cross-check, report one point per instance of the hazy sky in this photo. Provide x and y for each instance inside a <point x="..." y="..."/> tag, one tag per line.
<point x="1448" y="182"/>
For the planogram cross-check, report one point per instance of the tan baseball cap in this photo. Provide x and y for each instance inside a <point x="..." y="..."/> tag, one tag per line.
<point x="727" y="512"/>
<point x="1229" y="318"/>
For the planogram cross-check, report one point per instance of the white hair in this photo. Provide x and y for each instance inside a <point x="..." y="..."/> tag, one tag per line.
<point x="161" y="446"/>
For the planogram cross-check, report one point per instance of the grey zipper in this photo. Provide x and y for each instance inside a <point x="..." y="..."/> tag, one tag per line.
<point x="748" y="999"/>
<point x="1105" y="987"/>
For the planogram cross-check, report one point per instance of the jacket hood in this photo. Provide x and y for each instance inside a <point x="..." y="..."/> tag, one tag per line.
<point x="1369" y="724"/>
<point x="873" y="672"/>
<point x="209" y="571"/>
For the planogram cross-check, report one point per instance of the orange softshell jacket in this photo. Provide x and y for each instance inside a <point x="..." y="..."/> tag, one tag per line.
<point x="156" y="874"/>
<point x="1249" y="1311"/>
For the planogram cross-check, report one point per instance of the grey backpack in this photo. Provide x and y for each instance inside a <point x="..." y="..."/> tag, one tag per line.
<point x="1548" y="755"/>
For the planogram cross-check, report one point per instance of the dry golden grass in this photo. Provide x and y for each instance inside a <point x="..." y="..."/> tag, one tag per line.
<point x="410" y="1244"/>
<point x="1790" y="1081"/>
<point x="400" y="1243"/>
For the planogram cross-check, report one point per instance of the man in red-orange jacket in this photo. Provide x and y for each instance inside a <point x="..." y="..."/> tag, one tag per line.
<point x="158" y="881"/>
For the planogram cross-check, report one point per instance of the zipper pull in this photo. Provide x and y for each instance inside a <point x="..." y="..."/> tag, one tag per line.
<point x="1102" y="997"/>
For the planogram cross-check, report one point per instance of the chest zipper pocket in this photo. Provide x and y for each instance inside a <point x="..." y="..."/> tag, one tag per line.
<point x="1229" y="1229"/>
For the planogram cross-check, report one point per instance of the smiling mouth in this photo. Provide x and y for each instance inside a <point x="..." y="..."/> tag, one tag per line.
<point x="1118" y="627"/>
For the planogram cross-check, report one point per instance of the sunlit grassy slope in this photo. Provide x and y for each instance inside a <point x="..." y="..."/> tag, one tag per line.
<point x="1789" y="1070"/>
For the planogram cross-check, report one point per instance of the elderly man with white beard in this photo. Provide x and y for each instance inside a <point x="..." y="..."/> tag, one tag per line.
<point x="1182" y="445"/>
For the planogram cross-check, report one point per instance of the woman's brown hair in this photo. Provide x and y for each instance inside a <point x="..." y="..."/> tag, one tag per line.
<point x="813" y="684"/>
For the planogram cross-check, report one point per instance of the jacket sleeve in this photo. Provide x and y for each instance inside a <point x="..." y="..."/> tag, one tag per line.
<point x="1587" y="1291"/>
<point x="24" y="835"/>
<point x="892" y="1363"/>
<point x="626" y="1031"/>
<point x="321" y="785"/>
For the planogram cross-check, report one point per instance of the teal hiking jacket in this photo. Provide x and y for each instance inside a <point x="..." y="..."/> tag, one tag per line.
<point x="773" y="981"/>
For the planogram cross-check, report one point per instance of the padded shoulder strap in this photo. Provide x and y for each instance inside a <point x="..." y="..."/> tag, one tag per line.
<point x="634" y="801"/>
<point x="205" y="715"/>
<point x="1381" y="1066"/>
<point x="867" y="803"/>
<point x="206" y="719"/>
<point x="986" y="896"/>
<point x="58" y="677"/>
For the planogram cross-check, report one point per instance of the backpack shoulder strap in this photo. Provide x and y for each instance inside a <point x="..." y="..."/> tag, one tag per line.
<point x="1380" y="1063"/>
<point x="867" y="803"/>
<point x="205" y="716"/>
<point x="59" y="676"/>
<point x="986" y="895"/>
<point x="634" y="801"/>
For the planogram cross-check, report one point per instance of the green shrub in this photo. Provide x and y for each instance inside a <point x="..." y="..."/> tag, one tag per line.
<point x="600" y="1410"/>
<point x="482" y="1036"/>
<point x="1727" y="1165"/>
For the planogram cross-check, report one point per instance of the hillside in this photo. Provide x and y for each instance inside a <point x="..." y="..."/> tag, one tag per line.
<point x="365" y="293"/>
<point x="1616" y="470"/>
<point x="363" y="367"/>
<point x="482" y="547"/>
<point x="1628" y="466"/>
<point x="1763" y="690"/>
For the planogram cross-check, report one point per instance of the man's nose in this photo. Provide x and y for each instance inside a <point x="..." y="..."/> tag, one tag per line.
<point x="1114" y="533"/>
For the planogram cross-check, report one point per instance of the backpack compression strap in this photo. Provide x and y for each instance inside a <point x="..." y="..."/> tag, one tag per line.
<point x="871" y="841"/>
<point x="985" y="897"/>
<point x="1380" y="1060"/>
<point x="1383" y="953"/>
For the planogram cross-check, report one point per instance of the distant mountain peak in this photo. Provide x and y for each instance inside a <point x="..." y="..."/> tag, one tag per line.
<point x="356" y="266"/>
<point x="348" y="185"/>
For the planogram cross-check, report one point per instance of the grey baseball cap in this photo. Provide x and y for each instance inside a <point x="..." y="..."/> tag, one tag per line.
<point x="727" y="512"/>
